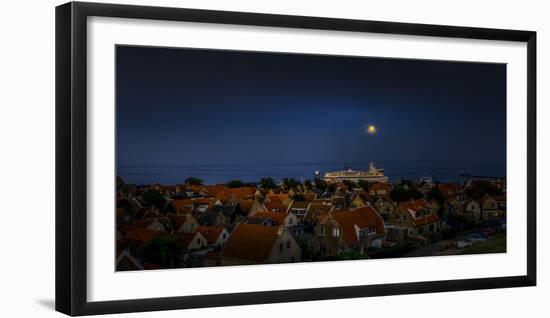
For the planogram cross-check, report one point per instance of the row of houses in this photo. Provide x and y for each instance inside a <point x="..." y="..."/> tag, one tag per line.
<point x="220" y="226"/>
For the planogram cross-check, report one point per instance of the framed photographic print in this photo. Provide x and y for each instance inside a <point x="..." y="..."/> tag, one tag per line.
<point x="209" y="158"/>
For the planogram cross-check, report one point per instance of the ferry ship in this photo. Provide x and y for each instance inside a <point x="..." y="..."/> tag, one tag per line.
<point x="373" y="175"/>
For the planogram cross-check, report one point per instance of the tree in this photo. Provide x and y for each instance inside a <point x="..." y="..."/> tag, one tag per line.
<point x="193" y="181"/>
<point x="320" y="185"/>
<point x="350" y="184"/>
<point x="169" y="209"/>
<point x="481" y="188"/>
<point x="308" y="184"/>
<point x="436" y="194"/>
<point x="267" y="183"/>
<point x="163" y="250"/>
<point x="290" y="183"/>
<point x="363" y="184"/>
<point x="234" y="184"/>
<point x="405" y="191"/>
<point x="153" y="197"/>
<point x="332" y="187"/>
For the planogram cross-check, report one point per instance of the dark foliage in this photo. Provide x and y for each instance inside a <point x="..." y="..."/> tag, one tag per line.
<point x="194" y="181"/>
<point x="235" y="184"/>
<point x="481" y="188"/>
<point x="153" y="197"/>
<point x="267" y="183"/>
<point x="405" y="191"/>
<point x="162" y="250"/>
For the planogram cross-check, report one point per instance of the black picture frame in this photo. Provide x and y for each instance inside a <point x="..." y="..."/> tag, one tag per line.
<point x="71" y="157"/>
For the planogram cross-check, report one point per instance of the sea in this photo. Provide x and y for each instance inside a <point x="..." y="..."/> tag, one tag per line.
<point x="441" y="171"/>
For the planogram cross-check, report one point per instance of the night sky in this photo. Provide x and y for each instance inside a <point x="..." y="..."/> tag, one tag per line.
<point x="210" y="107"/>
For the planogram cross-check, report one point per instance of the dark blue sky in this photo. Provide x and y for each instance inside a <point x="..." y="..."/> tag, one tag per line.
<point x="190" y="106"/>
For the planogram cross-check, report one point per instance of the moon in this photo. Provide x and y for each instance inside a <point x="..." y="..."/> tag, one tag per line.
<point x="371" y="129"/>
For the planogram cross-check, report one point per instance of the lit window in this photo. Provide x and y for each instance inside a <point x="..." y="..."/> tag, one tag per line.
<point x="335" y="232"/>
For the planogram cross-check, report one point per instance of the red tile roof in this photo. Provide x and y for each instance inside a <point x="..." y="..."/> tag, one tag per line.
<point x="184" y="204"/>
<point x="251" y="242"/>
<point x="414" y="206"/>
<point x="224" y="194"/>
<point x="277" y="217"/>
<point x="185" y="238"/>
<point x="380" y="186"/>
<point x="211" y="233"/>
<point x="178" y="220"/>
<point x="355" y="219"/>
<point x="142" y="236"/>
<point x="449" y="189"/>
<point x="275" y="207"/>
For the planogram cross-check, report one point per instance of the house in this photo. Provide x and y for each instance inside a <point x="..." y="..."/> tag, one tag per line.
<point x="450" y="190"/>
<point x="359" y="199"/>
<point x="256" y="207"/>
<point x="435" y="205"/>
<point x="385" y="207"/>
<point x="256" y="244"/>
<point x="490" y="208"/>
<point x="183" y="223"/>
<point x="309" y="196"/>
<point x="191" y="241"/>
<point x="472" y="210"/>
<point x="278" y="218"/>
<point x="214" y="218"/>
<point x="230" y="212"/>
<point x="228" y="195"/>
<point x="298" y="208"/>
<point x="380" y="189"/>
<point x="425" y="185"/>
<point x="416" y="217"/>
<point x="454" y="207"/>
<point x="246" y="204"/>
<point x="194" y="205"/>
<point x="338" y="202"/>
<point x="214" y="235"/>
<point x="258" y="220"/>
<point x="142" y="213"/>
<point x="140" y="236"/>
<point x="213" y="189"/>
<point x="160" y="224"/>
<point x="343" y="231"/>
<point x="126" y="262"/>
<point x="282" y="198"/>
<point x="316" y="209"/>
<point x="275" y="206"/>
